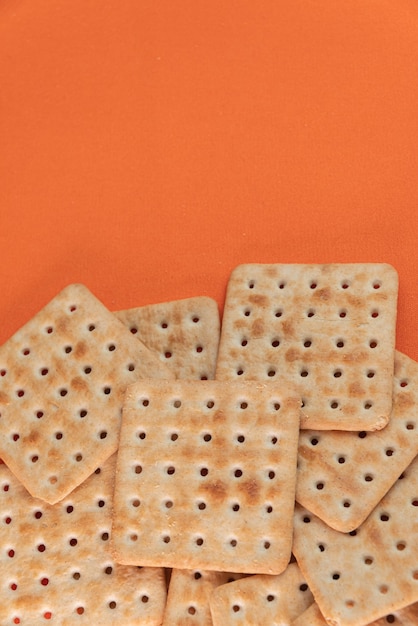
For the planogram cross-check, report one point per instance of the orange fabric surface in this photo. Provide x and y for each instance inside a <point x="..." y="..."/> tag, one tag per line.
<point x="149" y="146"/>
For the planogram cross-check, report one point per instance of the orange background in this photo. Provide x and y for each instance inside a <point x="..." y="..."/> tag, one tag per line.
<point x="149" y="146"/>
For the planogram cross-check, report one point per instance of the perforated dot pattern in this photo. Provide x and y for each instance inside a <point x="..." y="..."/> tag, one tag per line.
<point x="328" y="329"/>
<point x="59" y="556"/>
<point x="183" y="333"/>
<point x="382" y="551"/>
<point x="216" y="480"/>
<point x="65" y="375"/>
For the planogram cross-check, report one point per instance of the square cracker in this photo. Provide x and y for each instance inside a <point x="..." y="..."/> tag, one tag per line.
<point x="328" y="329"/>
<point x="188" y="596"/>
<point x="342" y="476"/>
<point x="206" y="476"/>
<point x="361" y="576"/>
<point x="405" y="617"/>
<point x="184" y="334"/>
<point x="55" y="565"/>
<point x="261" y="599"/>
<point x="62" y="381"/>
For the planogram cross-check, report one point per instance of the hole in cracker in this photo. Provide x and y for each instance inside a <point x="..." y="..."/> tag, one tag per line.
<point x="136" y="503"/>
<point x="403" y="383"/>
<point x="415" y="575"/>
<point x="73" y="542"/>
<point x="269" y="509"/>
<point x="197" y="575"/>
<point x="368" y="560"/>
<point x="138" y="469"/>
<point x="236" y="608"/>
<point x="341" y="459"/>
<point x="80" y="610"/>
<point x="243" y="405"/>
<point x="26" y="351"/>
<point x="383" y="589"/>
<point x="108" y="570"/>
<point x="63" y="392"/>
<point x="199" y="541"/>
<point x="3" y="372"/>
<point x="313" y="285"/>
<point x="37" y="514"/>
<point x="389" y="451"/>
<point x="282" y="284"/>
<point x="133" y="537"/>
<point x="68" y="349"/>
<point x="191" y="610"/>
<point x="141" y="435"/>
<point x="207" y="437"/>
<point x="401" y="545"/>
<point x="15" y="437"/>
<point x="362" y="434"/>
<point x="267" y="545"/>
<point x="320" y="485"/>
<point x="168" y="504"/>
<point x="337" y="373"/>
<point x="334" y="404"/>
<point x="304" y="373"/>
<point x="414" y="502"/>
<point x="374" y="313"/>
<point x="303" y="587"/>
<point x="240" y="372"/>
<point x="235" y="507"/>
<point x="307" y="343"/>
<point x="335" y="576"/>
<point x="107" y="390"/>
<point x="41" y="547"/>
<point x="199" y="349"/>
<point x="321" y="547"/>
<point x="274" y="440"/>
<point x="384" y="517"/>
<point x="78" y="457"/>
<point x="44" y="581"/>
<point x="244" y="342"/>
<point x="247" y="312"/>
<point x="111" y="347"/>
<point x="373" y="343"/>
<point x="310" y="313"/>
<point x="166" y="538"/>
<point x="271" y="372"/>
<point x="368" y="478"/>
<point x="168" y="354"/>
<point x="306" y="519"/>
<point x="87" y="370"/>
<point x="271" y="474"/>
<point x="20" y="393"/>
<point x="342" y="313"/>
<point x="210" y="404"/>
<point x="390" y="619"/>
<point x="44" y="371"/>
<point x="278" y="313"/>
<point x="177" y="404"/>
<point x="345" y="284"/>
<point x="34" y="458"/>
<point x="340" y="343"/>
<point x="314" y="441"/>
<point x="101" y="503"/>
<point x="204" y="471"/>
<point x="275" y="342"/>
<point x="270" y="598"/>
<point x="238" y="473"/>
<point x="377" y="284"/>
<point x="368" y="405"/>
<point x="104" y="536"/>
<point x="174" y="436"/>
<point x="346" y="504"/>
<point x="170" y="470"/>
<point x="133" y="330"/>
<point x="251" y="284"/>
<point x="112" y="604"/>
<point x="233" y="543"/>
<point x="82" y="413"/>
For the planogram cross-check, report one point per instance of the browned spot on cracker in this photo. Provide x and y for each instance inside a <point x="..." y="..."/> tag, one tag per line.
<point x="78" y="384"/>
<point x="257" y="329"/>
<point x="239" y="324"/>
<point x="219" y="416"/>
<point x="215" y="489"/>
<point x="292" y="355"/>
<point x="356" y="390"/>
<point x="4" y="398"/>
<point x="258" y="299"/>
<point x="33" y="437"/>
<point x="288" y="328"/>
<point x="61" y="324"/>
<point x="250" y="490"/>
<point x="80" y="349"/>
<point x="323" y="294"/>
<point x="357" y="356"/>
<point x="403" y="400"/>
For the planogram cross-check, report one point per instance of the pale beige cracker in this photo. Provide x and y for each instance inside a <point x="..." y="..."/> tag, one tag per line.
<point x="328" y="329"/>
<point x="206" y="476"/>
<point x="62" y="381"/>
<point x="342" y="476"/>
<point x="405" y="617"/>
<point x="184" y="334"/>
<point x="188" y="596"/>
<point x="362" y="576"/>
<point x="55" y="565"/>
<point x="260" y="599"/>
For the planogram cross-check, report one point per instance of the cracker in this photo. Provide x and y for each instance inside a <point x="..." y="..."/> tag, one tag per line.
<point x="62" y="381"/>
<point x="206" y="476"/>
<point x="405" y="617"/>
<point x="328" y="329"/>
<point x="184" y="334"/>
<point x="55" y="565"/>
<point x="262" y="599"/>
<point x="361" y="576"/>
<point x="189" y="594"/>
<point x="342" y="476"/>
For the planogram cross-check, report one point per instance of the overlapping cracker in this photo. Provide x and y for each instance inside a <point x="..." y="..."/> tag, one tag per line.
<point x="364" y="575"/>
<point x="405" y="617"/>
<point x="55" y="566"/>
<point x="342" y="476"/>
<point x="188" y="596"/>
<point x="62" y="381"/>
<point x="206" y="476"/>
<point x="184" y="334"/>
<point x="328" y="329"/>
<point x="261" y="599"/>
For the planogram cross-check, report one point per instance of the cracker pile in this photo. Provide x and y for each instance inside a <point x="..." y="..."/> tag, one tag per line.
<point x="160" y="467"/>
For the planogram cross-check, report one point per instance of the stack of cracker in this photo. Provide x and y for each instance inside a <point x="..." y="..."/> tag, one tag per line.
<point x="161" y="468"/>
